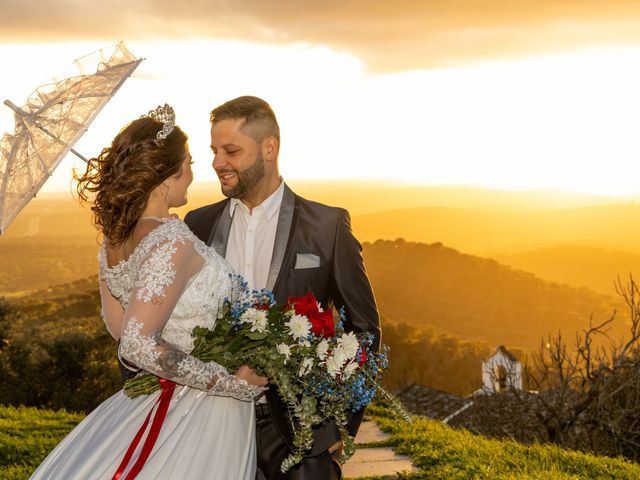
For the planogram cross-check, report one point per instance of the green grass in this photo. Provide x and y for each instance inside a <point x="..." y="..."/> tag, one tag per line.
<point x="27" y="435"/>
<point x="440" y="452"/>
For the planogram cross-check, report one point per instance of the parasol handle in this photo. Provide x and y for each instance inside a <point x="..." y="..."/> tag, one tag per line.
<point x="22" y="113"/>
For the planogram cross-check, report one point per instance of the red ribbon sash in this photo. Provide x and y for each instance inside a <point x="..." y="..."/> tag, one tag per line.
<point x="158" y="419"/>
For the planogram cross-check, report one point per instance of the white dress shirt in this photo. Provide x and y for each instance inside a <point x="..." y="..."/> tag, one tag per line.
<point x="252" y="236"/>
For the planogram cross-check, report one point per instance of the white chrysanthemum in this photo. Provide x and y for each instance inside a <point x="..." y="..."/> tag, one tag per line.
<point x="322" y="349"/>
<point x="306" y="367"/>
<point x="257" y="319"/>
<point x="284" y="349"/>
<point x="350" y="344"/>
<point x="299" y="327"/>
<point x="247" y="315"/>
<point x="339" y="355"/>
<point x="333" y="367"/>
<point x="350" y="369"/>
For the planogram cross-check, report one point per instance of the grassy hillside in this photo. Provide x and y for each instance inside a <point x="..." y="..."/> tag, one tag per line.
<point x="28" y="434"/>
<point x="478" y="299"/>
<point x="442" y="453"/>
<point x="580" y="266"/>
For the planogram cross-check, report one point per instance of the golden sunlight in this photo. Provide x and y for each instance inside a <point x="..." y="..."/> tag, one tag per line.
<point x="565" y="121"/>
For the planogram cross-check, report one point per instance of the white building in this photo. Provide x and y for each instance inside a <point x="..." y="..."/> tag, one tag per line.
<point x="501" y="372"/>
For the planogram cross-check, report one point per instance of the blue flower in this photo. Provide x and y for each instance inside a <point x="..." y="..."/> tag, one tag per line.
<point x="360" y="394"/>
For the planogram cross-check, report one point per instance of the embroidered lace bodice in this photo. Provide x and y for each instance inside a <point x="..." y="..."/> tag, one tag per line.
<point x="171" y="283"/>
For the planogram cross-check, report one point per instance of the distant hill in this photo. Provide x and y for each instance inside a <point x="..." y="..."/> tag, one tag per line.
<point x="62" y="308"/>
<point x="475" y="298"/>
<point x="28" y="264"/>
<point x="52" y="242"/>
<point x="362" y="196"/>
<point x="463" y="295"/>
<point x="576" y="265"/>
<point x="492" y="232"/>
<point x="443" y="312"/>
<point x="51" y="215"/>
<point x="61" y="214"/>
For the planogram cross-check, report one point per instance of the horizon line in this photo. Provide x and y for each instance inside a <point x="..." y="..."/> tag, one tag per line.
<point x="396" y="183"/>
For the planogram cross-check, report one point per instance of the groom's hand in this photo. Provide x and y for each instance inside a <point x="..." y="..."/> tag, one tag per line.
<point x="251" y="377"/>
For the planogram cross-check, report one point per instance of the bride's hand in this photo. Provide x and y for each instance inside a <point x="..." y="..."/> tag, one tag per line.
<point x="247" y="374"/>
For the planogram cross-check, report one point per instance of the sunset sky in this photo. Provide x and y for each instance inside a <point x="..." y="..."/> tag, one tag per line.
<point x="503" y="93"/>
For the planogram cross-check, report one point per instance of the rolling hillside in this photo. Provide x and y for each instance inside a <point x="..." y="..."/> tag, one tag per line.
<point x="426" y="284"/>
<point x="475" y="298"/>
<point x="443" y="313"/>
<point x="576" y="265"/>
<point x="29" y="264"/>
<point x="491" y="232"/>
<point x="470" y="297"/>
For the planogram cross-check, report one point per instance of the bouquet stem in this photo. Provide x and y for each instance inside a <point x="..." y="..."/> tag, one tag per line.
<point x="142" y="384"/>
<point x="396" y="406"/>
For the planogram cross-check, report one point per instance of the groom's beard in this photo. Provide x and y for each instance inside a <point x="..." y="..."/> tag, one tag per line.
<point x="247" y="179"/>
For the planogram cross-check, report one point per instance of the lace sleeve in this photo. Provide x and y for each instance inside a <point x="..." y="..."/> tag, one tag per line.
<point x="111" y="310"/>
<point x="161" y="277"/>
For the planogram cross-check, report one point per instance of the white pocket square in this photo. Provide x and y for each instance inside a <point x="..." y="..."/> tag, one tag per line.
<point x="307" y="260"/>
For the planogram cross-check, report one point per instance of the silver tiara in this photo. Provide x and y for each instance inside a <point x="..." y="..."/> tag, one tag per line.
<point x="167" y="116"/>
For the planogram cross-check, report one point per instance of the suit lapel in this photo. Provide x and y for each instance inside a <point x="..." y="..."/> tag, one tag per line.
<point x="283" y="231"/>
<point x="220" y="233"/>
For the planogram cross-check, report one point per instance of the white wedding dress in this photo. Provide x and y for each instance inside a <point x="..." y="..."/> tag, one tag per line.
<point x="171" y="283"/>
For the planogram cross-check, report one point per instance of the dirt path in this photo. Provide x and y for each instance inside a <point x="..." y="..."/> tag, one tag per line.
<point x="374" y="461"/>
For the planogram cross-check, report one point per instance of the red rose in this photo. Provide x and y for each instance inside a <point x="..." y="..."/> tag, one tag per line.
<point x="261" y="306"/>
<point x="307" y="305"/>
<point x="322" y="324"/>
<point x="363" y="356"/>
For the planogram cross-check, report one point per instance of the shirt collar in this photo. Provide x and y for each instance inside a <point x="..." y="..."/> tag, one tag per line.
<point x="270" y="206"/>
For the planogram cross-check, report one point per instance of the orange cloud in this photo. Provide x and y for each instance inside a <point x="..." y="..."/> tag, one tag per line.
<point x="387" y="35"/>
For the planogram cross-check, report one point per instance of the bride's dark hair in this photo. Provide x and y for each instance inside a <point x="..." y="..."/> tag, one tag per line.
<point x="120" y="180"/>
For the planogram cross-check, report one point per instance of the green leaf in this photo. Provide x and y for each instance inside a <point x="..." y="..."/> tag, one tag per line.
<point x="256" y="335"/>
<point x="235" y="344"/>
<point x="200" y="331"/>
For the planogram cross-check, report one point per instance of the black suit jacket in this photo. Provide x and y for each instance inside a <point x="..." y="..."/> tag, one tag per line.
<point x="306" y="227"/>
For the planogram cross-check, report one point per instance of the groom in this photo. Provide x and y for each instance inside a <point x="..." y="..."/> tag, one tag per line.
<point x="280" y="241"/>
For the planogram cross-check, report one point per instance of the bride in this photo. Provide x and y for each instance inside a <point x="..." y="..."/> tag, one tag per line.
<point x="157" y="282"/>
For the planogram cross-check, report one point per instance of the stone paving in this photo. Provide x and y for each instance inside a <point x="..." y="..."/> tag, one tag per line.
<point x="376" y="461"/>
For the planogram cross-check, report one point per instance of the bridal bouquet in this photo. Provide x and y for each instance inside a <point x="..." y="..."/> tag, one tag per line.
<point x="321" y="372"/>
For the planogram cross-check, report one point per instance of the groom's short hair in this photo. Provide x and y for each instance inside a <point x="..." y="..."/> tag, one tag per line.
<point x="258" y="119"/>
